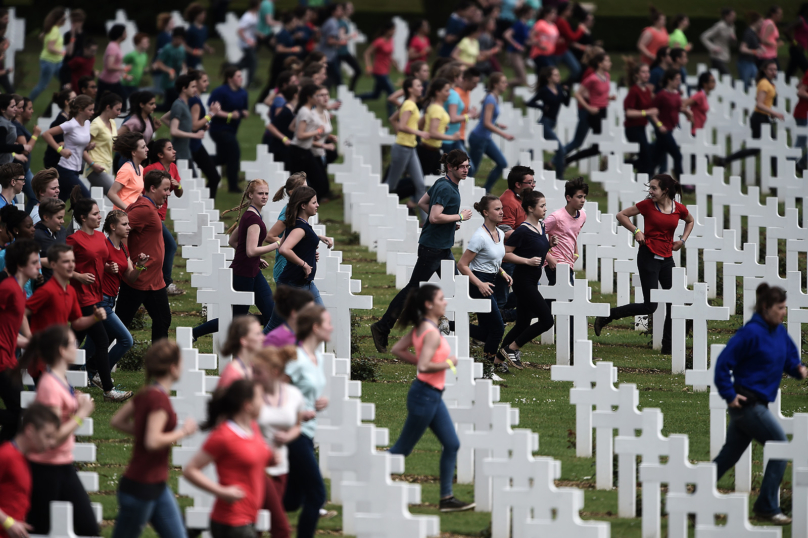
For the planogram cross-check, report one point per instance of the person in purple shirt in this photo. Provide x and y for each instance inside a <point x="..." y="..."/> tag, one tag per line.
<point x="288" y="302"/>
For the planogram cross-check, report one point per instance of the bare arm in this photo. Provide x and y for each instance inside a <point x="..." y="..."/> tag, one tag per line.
<point x="252" y="247"/>
<point x="123" y="420"/>
<point x="510" y="257"/>
<point x="291" y="242"/>
<point x="176" y="132"/>
<point x="437" y="216"/>
<point x="394" y="97"/>
<point x="157" y="439"/>
<point x="401" y="349"/>
<point x="300" y="131"/>
<point x="274" y="233"/>
<point x="403" y="118"/>
<point x="760" y="103"/>
<point x="488" y="114"/>
<point x="431" y="344"/>
<point x="642" y="45"/>
<point x="689" y="223"/>
<point x="112" y="194"/>
<point x="423" y="203"/>
<point x="193" y="473"/>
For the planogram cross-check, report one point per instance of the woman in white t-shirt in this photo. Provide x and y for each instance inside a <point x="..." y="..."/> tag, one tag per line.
<point x="279" y="421"/>
<point x="308" y="128"/>
<point x="74" y="151"/>
<point x="481" y="262"/>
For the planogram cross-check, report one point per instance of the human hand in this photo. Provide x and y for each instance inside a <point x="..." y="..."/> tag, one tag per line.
<point x="553" y="240"/>
<point x="653" y="112"/>
<point x="321" y="403"/>
<point x="677" y="245"/>
<point x="662" y="129"/>
<point x="215" y="107"/>
<point x="282" y="437"/>
<point x="306" y="269"/>
<point x="508" y="137"/>
<point x="199" y="135"/>
<point x="158" y="123"/>
<point x="466" y="213"/>
<point x="236" y="114"/>
<point x="639" y="237"/>
<point x="37" y="130"/>
<point x="307" y="415"/>
<point x="189" y="427"/>
<point x="27" y="148"/>
<point x="66" y="153"/>
<point x="737" y="402"/>
<point x="551" y="262"/>
<point x="97" y="168"/>
<point x="327" y="240"/>
<point x="803" y="371"/>
<point x="86" y="406"/>
<point x="485" y="289"/>
<point x="779" y="116"/>
<point x="100" y="314"/>
<point x="535" y="261"/>
<point x="90" y="146"/>
<point x="231" y="494"/>
<point x="19" y="529"/>
<point x="317" y="256"/>
<point x="22" y="158"/>
<point x="111" y="268"/>
<point x="263" y="264"/>
<point x="507" y="277"/>
<point x="84" y="278"/>
<point x="141" y="260"/>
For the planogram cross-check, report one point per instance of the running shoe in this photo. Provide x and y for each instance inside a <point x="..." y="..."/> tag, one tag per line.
<point x="379" y="338"/>
<point x="117" y="396"/>
<point x="452" y="504"/>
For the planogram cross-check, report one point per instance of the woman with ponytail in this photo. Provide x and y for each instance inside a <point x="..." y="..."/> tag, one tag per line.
<point x="748" y="374"/>
<point x="639" y="107"/>
<point x="661" y="215"/>
<point x="308" y="128"/>
<point x="53" y="475"/>
<point x="128" y="185"/>
<point x="244" y="339"/>
<point x="241" y="456"/>
<point x="278" y="230"/>
<point x="143" y="492"/>
<point x="425" y="408"/>
<point x="436" y="121"/>
<point x="90" y="250"/>
<point x="480" y="141"/>
<point x="247" y="236"/>
<point x="62" y="101"/>
<point x="653" y="37"/>
<point x="103" y="131"/>
<point x="74" y="149"/>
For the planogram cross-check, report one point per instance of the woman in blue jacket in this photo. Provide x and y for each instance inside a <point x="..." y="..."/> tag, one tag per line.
<point x="747" y="375"/>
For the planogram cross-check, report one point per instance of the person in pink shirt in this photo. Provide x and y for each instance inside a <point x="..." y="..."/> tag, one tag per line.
<point x="565" y="224"/>
<point x="697" y="102"/>
<point x="288" y="302"/>
<point x="544" y="36"/>
<point x="653" y="37"/>
<point x="770" y="35"/>
<point x="114" y="70"/>
<point x="244" y="339"/>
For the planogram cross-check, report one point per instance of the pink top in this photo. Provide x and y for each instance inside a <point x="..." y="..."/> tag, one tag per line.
<point x="113" y="51"/>
<point x="233" y="372"/>
<point x="768" y="52"/>
<point x="699" y="108"/>
<point x="566" y="227"/>
<point x="546" y="35"/>
<point x="659" y="38"/>
<point x="280" y="336"/>
<point x="51" y="391"/>
<point x="436" y="379"/>
<point x="598" y="89"/>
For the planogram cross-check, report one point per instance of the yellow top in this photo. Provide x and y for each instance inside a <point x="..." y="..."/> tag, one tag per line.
<point x="468" y="50"/>
<point x="47" y="55"/>
<point x="765" y="86"/>
<point x="439" y="113"/>
<point x="406" y="139"/>
<point x="102" y="136"/>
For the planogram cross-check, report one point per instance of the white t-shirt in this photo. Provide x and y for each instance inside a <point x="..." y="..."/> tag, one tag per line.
<point x="249" y="23"/>
<point x="280" y="418"/>
<point x="327" y="129"/>
<point x="76" y="139"/>
<point x="313" y="122"/>
<point x="489" y="254"/>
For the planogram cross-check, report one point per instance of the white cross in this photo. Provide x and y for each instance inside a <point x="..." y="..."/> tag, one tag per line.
<point x="579" y="308"/>
<point x="625" y="419"/>
<point x="224" y="297"/>
<point x="700" y="312"/>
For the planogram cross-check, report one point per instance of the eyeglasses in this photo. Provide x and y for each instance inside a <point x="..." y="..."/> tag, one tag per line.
<point x="464" y="166"/>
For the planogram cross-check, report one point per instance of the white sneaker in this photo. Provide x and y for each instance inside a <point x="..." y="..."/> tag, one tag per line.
<point x="117" y="396"/>
<point x="96" y="380"/>
<point x="444" y="326"/>
<point x="172" y="290"/>
<point x="780" y="519"/>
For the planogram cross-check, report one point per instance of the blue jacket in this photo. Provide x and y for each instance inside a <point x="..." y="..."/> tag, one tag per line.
<point x="756" y="357"/>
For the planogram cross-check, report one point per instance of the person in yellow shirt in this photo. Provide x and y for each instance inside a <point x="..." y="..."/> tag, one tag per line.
<point x="436" y="121"/>
<point x="403" y="156"/>
<point x="53" y="50"/>
<point x="467" y="50"/>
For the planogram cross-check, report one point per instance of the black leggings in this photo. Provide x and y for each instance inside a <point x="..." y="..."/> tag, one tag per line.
<point x="10" y="389"/>
<point x="59" y="483"/>
<point x="351" y="60"/>
<point x="99" y="362"/>
<point x="205" y="163"/>
<point x="653" y="274"/>
<point x="156" y="303"/>
<point x="529" y="304"/>
<point x="756" y="121"/>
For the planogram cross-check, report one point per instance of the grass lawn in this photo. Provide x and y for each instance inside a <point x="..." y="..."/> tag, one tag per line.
<point x="544" y="405"/>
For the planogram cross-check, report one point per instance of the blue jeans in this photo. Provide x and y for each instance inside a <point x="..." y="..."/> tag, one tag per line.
<point x="747" y="72"/>
<point x="163" y="514"/>
<point x="558" y="161"/>
<point x="47" y="71"/>
<point x="171" y="250"/>
<point x="262" y="299"/>
<point x="801" y="143"/>
<point x="276" y="319"/>
<point x="479" y="145"/>
<point x="754" y="422"/>
<point x="581" y="130"/>
<point x="67" y="180"/>
<point x="502" y="292"/>
<point x="569" y="59"/>
<point x="28" y="189"/>
<point x="425" y="409"/>
<point x="304" y="486"/>
<point x="540" y="62"/>
<point x="381" y="83"/>
<point x="491" y="328"/>
<point x="116" y="330"/>
<point x="454" y="144"/>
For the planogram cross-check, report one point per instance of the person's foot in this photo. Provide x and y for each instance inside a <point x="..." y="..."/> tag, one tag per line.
<point x="379" y="337"/>
<point x="94" y="380"/>
<point x="600" y="323"/>
<point x="777" y="519"/>
<point x="501" y="367"/>
<point x="666" y="350"/>
<point x="117" y="396"/>
<point x="445" y="325"/>
<point x="327" y="514"/>
<point x="718" y="161"/>
<point x="515" y="358"/>
<point x="172" y="290"/>
<point x="452" y="504"/>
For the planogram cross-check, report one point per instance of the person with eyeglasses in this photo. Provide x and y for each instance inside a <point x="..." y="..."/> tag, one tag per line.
<point x="442" y="205"/>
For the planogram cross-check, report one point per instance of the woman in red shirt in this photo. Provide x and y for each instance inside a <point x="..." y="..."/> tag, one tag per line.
<point x="382" y="51"/>
<point x="544" y="36"/>
<point x="638" y="105"/>
<point x="53" y="475"/>
<point x="653" y="37"/>
<point x="241" y="456"/>
<point x="697" y="103"/>
<point x="90" y="249"/>
<point x="143" y="492"/>
<point x="418" y="47"/>
<point x="566" y="39"/>
<point x="669" y="103"/>
<point x="661" y="215"/>
<point x="163" y="155"/>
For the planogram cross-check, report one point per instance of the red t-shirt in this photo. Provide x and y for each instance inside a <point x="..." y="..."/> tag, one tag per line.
<point x="513" y="214"/>
<point x="52" y="305"/>
<point x="699" y="108"/>
<point x="174" y="173"/>
<point x="566" y="36"/>
<point x="638" y="99"/>
<point x="420" y="44"/>
<point x="15" y="483"/>
<point x="146" y="236"/>
<point x="669" y="105"/>
<point x="80" y="66"/>
<point x="241" y="458"/>
<point x="659" y="227"/>
<point x="382" y="56"/>
<point x="112" y="281"/>
<point x="150" y="467"/>
<point x="801" y="110"/>
<point x="12" y="310"/>
<point x="91" y="255"/>
<point x="598" y="89"/>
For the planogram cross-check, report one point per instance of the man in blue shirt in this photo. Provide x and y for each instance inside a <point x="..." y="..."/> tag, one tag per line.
<point x="442" y="205"/>
<point x="223" y="127"/>
<point x="12" y="180"/>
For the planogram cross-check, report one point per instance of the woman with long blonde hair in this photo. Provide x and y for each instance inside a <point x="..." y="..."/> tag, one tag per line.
<point x="247" y="236"/>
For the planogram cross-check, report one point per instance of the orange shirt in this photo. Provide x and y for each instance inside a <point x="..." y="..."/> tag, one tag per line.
<point x="435" y="379"/>
<point x="132" y="183"/>
<point x="466" y="98"/>
<point x="659" y="38"/>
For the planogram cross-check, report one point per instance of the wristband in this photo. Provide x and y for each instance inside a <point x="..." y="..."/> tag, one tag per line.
<point x="97" y="319"/>
<point x="466" y="117"/>
<point x="659" y="124"/>
<point x="179" y="186"/>
<point x="285" y="139"/>
<point x="229" y="116"/>
<point x="643" y="113"/>
<point x="576" y="256"/>
<point x="636" y="230"/>
<point x="59" y="149"/>
<point x="79" y="420"/>
<point x="92" y="163"/>
<point x="279" y="243"/>
<point x="452" y="366"/>
<point x="461" y="217"/>
<point x="8" y="523"/>
<point x="140" y="268"/>
<point x="34" y="138"/>
<point x="13" y="154"/>
<point x="208" y="117"/>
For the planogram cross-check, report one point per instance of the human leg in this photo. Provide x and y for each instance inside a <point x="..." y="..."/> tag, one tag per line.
<point x="649" y="269"/>
<point x="416" y="173"/>
<point x="569" y="59"/>
<point x="205" y="164"/>
<point x="493" y="152"/>
<point x="737" y="441"/>
<point x="171" y="251"/>
<point x="644" y="162"/>
<point x="378" y="83"/>
<point x="101" y="179"/>
<point x="47" y="70"/>
<point x="10" y="391"/>
<point x="719" y="65"/>
<point x="399" y="160"/>
<point x="273" y="502"/>
<point x="263" y="297"/>
<point x="443" y="428"/>
<point x="539" y="309"/>
<point x="67" y="180"/>
<point x="120" y="334"/>
<point x="84" y="523"/>
<point x="306" y="488"/>
<point x="166" y="518"/>
<point x="129" y="301"/>
<point x="476" y="152"/>
<point x="98" y="361"/>
<point x="422" y="402"/>
<point x="156" y="303"/>
<point x="666" y="282"/>
<point x="581" y="130"/>
<point x="490" y="328"/>
<point x="133" y="515"/>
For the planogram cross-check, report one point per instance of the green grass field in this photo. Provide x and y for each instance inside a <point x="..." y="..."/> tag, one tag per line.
<point x="544" y="405"/>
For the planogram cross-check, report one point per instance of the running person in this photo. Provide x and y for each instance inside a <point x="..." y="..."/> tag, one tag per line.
<point x="480" y="141"/>
<point x="244" y="339"/>
<point x="661" y="215"/>
<point x="290" y="301"/>
<point x="639" y="107"/>
<point x="74" y="149"/>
